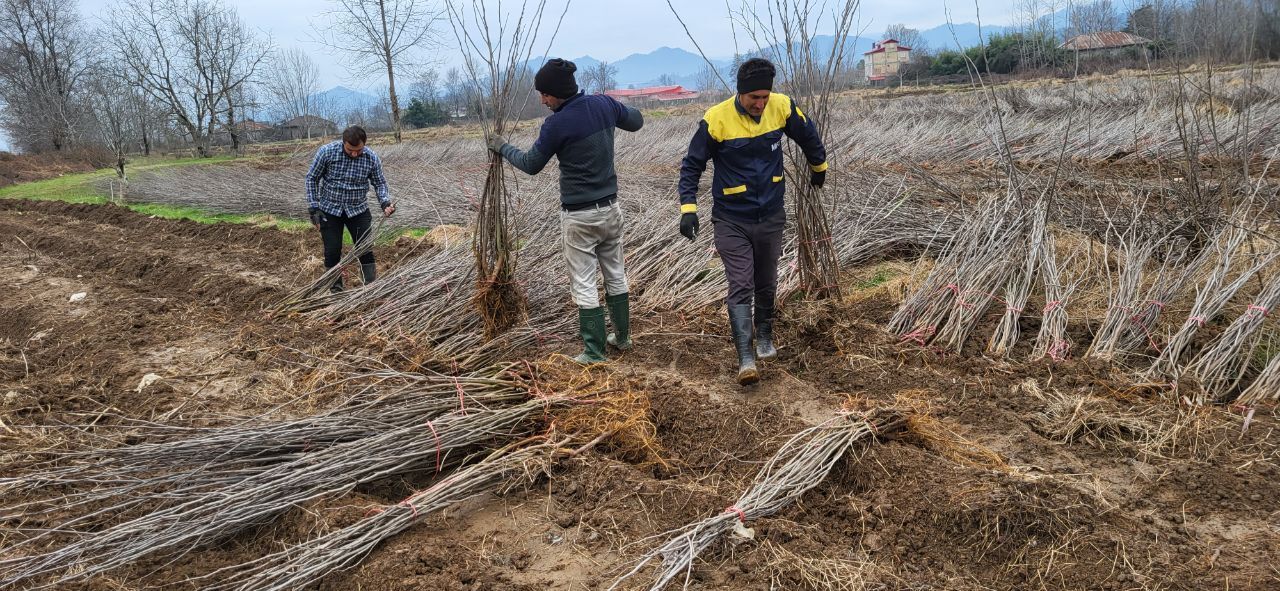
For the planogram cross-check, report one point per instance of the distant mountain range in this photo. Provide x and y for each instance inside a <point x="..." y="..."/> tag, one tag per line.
<point x="341" y="100"/>
<point x="644" y="69"/>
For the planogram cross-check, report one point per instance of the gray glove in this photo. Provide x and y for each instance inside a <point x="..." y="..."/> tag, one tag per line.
<point x="495" y="142"/>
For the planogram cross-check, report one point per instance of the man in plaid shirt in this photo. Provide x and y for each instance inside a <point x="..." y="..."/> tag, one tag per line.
<point x="337" y="197"/>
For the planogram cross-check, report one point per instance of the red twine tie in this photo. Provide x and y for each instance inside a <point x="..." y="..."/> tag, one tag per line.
<point x="919" y="335"/>
<point x="734" y="509"/>
<point x="1059" y="350"/>
<point x="437" y="438"/>
<point x="462" y="396"/>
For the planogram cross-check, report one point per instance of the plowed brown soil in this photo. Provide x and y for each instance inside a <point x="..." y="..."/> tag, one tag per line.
<point x="986" y="493"/>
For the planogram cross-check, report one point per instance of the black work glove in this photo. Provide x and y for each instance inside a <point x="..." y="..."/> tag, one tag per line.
<point x="689" y="225"/>
<point x="816" y="179"/>
<point x="314" y="212"/>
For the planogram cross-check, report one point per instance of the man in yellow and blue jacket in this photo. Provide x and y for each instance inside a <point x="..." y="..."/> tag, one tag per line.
<point x="743" y="136"/>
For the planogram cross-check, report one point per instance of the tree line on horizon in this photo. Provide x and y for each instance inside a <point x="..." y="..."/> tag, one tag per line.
<point x="192" y="74"/>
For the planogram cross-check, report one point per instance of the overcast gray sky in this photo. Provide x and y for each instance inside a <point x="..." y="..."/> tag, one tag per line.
<point x="604" y="29"/>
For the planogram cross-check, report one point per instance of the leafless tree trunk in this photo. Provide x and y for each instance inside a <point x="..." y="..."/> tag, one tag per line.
<point x="380" y="34"/>
<point x="111" y="103"/>
<point x="144" y="112"/>
<point x="41" y="67"/>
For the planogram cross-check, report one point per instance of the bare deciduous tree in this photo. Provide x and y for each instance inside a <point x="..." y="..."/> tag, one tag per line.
<point x="600" y="78"/>
<point x="908" y="37"/>
<point x="292" y="82"/>
<point x="380" y="35"/>
<point x="1034" y="19"/>
<point x="1092" y="17"/>
<point x="41" y="67"/>
<point x="426" y="87"/>
<point x="455" y="92"/>
<point x="192" y="57"/>
<point x="237" y="56"/>
<point x="708" y="80"/>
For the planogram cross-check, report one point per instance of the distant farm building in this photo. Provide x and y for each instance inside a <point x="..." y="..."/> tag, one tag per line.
<point x="1107" y="44"/>
<point x="885" y="59"/>
<point x="307" y="127"/>
<point x="253" y="131"/>
<point x="654" y="96"/>
<point x="247" y="131"/>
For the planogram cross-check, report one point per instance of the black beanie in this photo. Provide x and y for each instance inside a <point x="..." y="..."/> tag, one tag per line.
<point x="755" y="74"/>
<point x="556" y="78"/>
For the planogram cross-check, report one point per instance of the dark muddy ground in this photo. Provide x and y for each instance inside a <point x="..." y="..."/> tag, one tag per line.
<point x="1015" y="479"/>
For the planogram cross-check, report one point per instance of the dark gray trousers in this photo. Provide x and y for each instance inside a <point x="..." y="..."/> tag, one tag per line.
<point x="749" y="252"/>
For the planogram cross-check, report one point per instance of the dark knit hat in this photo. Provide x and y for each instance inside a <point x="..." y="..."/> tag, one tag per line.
<point x="755" y="74"/>
<point x="556" y="78"/>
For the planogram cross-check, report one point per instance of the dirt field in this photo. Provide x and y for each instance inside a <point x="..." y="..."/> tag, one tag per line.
<point x="1021" y="476"/>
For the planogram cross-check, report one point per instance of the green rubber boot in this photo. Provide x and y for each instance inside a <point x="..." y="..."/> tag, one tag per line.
<point x="620" y="313"/>
<point x="591" y="327"/>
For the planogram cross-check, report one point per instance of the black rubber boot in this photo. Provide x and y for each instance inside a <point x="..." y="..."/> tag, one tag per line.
<point x="591" y="327"/>
<point x="370" y="271"/>
<point x="740" y="322"/>
<point x="764" y="334"/>
<point x="620" y="313"/>
<point x="337" y="283"/>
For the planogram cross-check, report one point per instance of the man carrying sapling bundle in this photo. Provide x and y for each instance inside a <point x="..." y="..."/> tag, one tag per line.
<point x="579" y="132"/>
<point x="743" y="136"/>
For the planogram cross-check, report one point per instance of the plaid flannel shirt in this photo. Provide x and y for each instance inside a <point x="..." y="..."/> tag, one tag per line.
<point x="338" y="184"/>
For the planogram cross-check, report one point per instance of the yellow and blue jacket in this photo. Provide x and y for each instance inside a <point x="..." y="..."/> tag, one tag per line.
<point x="748" y="182"/>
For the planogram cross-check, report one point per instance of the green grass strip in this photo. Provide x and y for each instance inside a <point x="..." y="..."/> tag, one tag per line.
<point x="83" y="188"/>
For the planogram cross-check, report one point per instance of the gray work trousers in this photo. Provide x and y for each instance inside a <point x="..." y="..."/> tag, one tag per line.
<point x="749" y="252"/>
<point x="593" y="239"/>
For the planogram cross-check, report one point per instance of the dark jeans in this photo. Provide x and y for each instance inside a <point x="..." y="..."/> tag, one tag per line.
<point x="331" y="227"/>
<point x="749" y="252"/>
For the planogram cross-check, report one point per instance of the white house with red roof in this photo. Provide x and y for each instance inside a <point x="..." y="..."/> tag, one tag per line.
<point x="884" y="59"/>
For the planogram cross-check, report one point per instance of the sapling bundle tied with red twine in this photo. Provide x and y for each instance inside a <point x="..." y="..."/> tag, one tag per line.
<point x="497" y="47"/>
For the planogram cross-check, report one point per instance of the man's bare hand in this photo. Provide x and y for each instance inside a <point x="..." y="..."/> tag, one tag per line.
<point x="389" y="209"/>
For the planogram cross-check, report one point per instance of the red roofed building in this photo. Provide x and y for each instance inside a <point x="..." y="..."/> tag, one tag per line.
<point x="664" y="95"/>
<point x="884" y="59"/>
